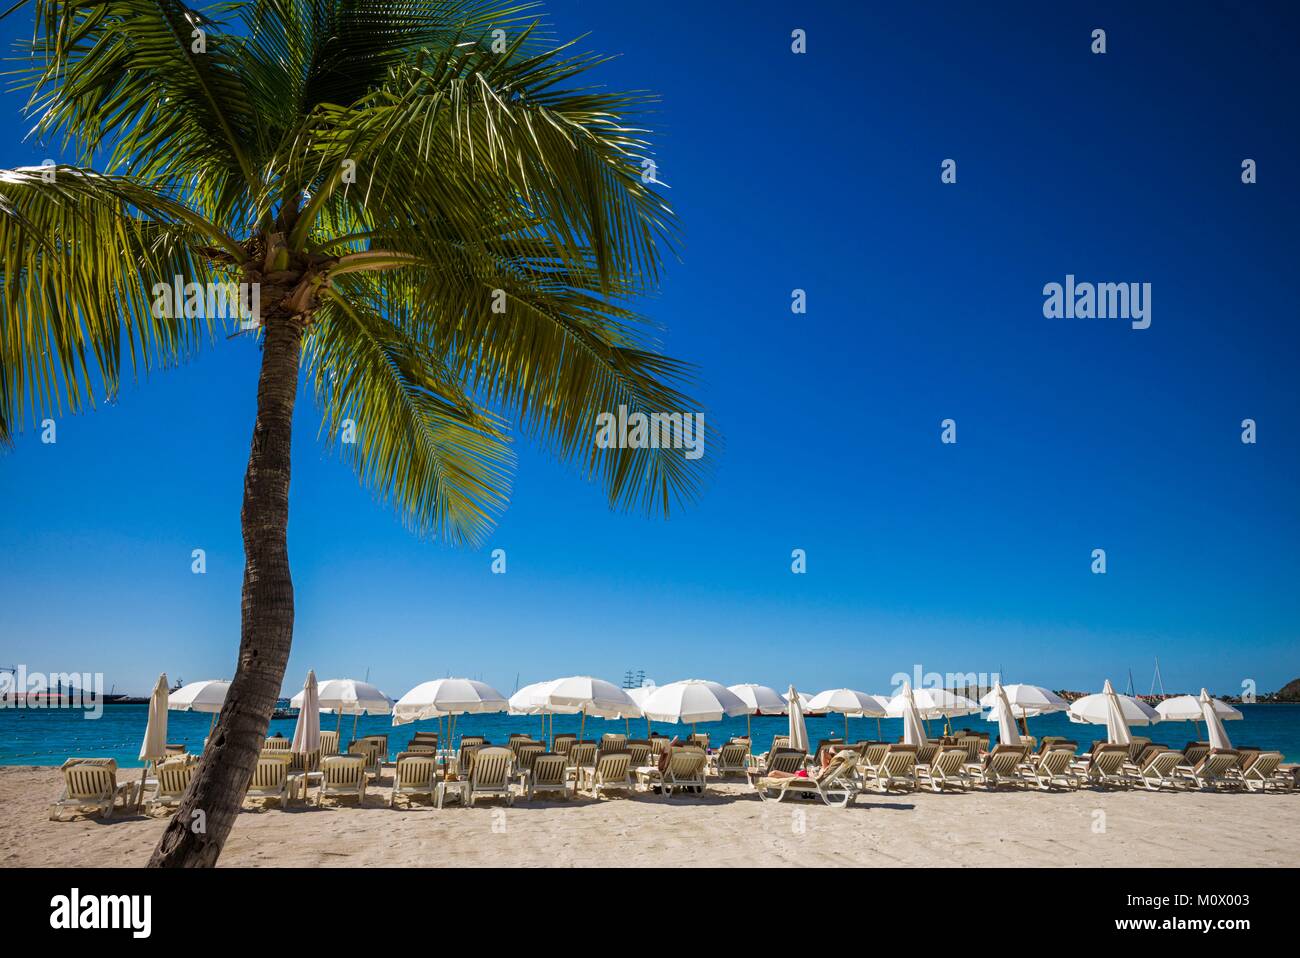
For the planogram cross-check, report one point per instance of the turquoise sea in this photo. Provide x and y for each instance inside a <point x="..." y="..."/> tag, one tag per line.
<point x="49" y="736"/>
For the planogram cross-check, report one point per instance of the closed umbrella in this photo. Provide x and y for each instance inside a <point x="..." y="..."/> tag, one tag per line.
<point x="154" y="746"/>
<point x="847" y="702"/>
<point x="906" y="707"/>
<point x="306" y="733"/>
<point x="798" y="728"/>
<point x="1007" y="734"/>
<point x="758" y="698"/>
<point x="1213" y="724"/>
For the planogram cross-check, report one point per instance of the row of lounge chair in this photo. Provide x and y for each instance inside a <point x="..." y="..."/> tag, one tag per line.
<point x="836" y="773"/>
<point x="880" y="766"/>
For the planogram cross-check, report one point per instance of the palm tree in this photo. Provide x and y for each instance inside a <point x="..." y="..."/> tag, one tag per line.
<point x="445" y="231"/>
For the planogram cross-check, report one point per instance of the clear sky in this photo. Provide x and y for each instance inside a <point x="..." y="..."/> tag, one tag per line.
<point x="818" y="171"/>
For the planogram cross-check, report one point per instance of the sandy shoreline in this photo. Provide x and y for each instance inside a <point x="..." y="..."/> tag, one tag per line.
<point x="728" y="827"/>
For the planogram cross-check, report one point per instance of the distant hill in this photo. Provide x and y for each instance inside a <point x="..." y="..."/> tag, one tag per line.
<point x="1289" y="692"/>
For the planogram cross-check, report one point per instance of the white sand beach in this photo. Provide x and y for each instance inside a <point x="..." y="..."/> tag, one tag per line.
<point x="727" y="827"/>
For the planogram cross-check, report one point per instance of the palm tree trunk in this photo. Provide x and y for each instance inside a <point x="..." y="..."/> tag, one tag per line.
<point x="196" y="834"/>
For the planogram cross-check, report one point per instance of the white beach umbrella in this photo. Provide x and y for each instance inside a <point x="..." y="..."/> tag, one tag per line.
<point x="1187" y="708"/>
<point x="306" y="733"/>
<point x="1213" y="724"/>
<point x="348" y="697"/>
<point x="206" y="696"/>
<point x="531" y="700"/>
<point x="1100" y="709"/>
<point x="931" y="703"/>
<point x="906" y="707"/>
<point x="1026" y="701"/>
<point x="639" y="695"/>
<point x="1007" y="733"/>
<point x="444" y="697"/>
<point x="803" y="702"/>
<point x="847" y="702"/>
<point x="590" y="696"/>
<point x="154" y="746"/>
<point x="758" y="698"/>
<point x="798" y="728"/>
<point x="448" y="698"/>
<point x="692" y="701"/>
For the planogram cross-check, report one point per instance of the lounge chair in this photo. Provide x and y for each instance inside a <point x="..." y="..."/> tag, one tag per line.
<point x="1105" y="765"/>
<point x="998" y="767"/>
<point x="474" y="740"/>
<point x="785" y="760"/>
<point x="1193" y="752"/>
<point x="699" y="740"/>
<point x="582" y="755"/>
<point x="525" y="755"/>
<point x="489" y="775"/>
<point x="896" y="769"/>
<point x="1159" y="769"/>
<point x="277" y="743"/>
<point x="369" y="750"/>
<point x="1137" y="744"/>
<point x="329" y="743"/>
<point x="172" y="779"/>
<point x="611" y="771"/>
<point x="272" y="778"/>
<point x="685" y="770"/>
<point x="91" y="785"/>
<point x="1054" y="767"/>
<point x="413" y="775"/>
<point x="1212" y="772"/>
<point x="1265" y="773"/>
<point x="343" y="776"/>
<point x="835" y="784"/>
<point x="731" y="759"/>
<point x="612" y="742"/>
<point x="639" y="749"/>
<point x="562" y="744"/>
<point x="550" y="774"/>
<point x="465" y="757"/>
<point x="946" y="770"/>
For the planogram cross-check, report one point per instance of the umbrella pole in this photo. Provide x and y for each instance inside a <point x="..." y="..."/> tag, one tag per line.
<point x="749" y="732"/>
<point x="356" y="718"/>
<point x="582" y="725"/>
<point x="880" y="734"/>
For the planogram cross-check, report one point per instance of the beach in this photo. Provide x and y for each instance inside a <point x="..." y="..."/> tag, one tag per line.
<point x="728" y="827"/>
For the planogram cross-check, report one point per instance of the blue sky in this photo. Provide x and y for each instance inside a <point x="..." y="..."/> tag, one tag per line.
<point x="818" y="171"/>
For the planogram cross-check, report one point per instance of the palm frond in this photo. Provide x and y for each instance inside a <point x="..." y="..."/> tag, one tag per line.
<point x="79" y="256"/>
<point x="420" y="442"/>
